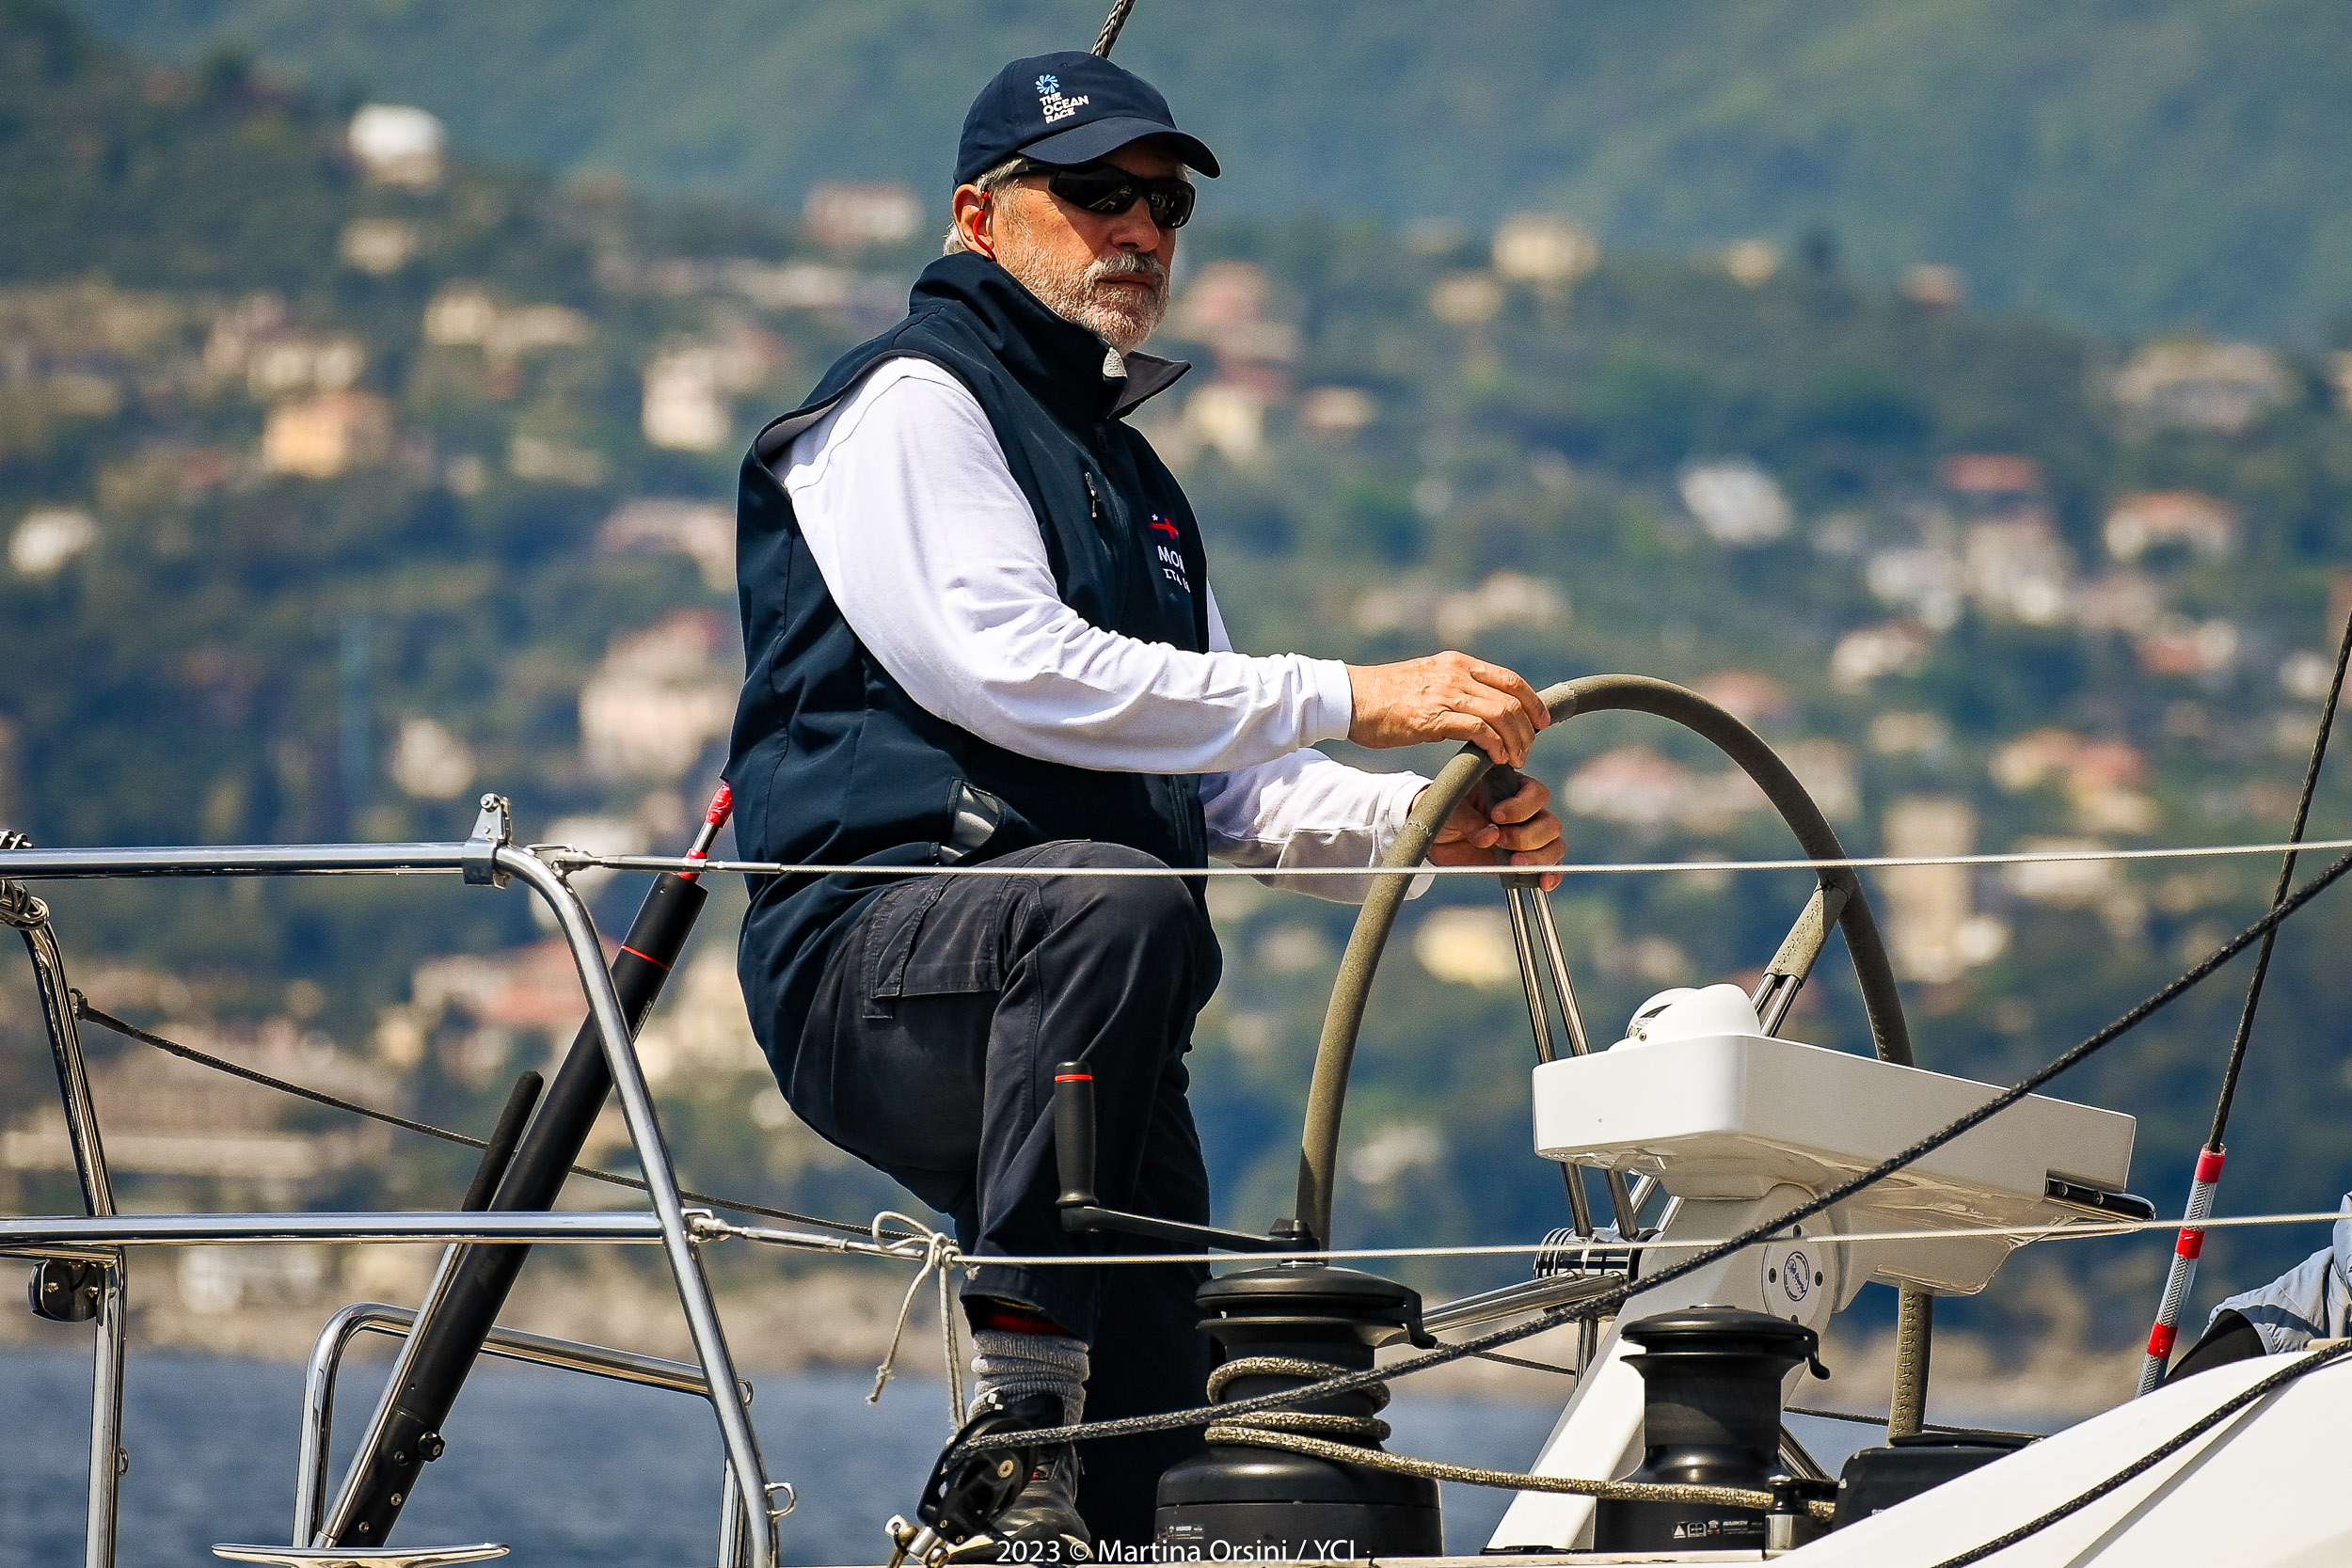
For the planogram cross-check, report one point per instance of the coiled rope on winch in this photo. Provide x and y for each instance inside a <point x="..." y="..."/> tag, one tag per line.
<point x="1321" y="1435"/>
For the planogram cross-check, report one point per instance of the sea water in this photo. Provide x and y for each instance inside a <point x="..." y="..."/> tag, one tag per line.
<point x="572" y="1472"/>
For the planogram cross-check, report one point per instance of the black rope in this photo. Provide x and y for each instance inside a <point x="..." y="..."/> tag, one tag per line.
<point x="1523" y="1362"/>
<point x="2286" y="878"/>
<point x="83" y="1009"/>
<point x="1111" y="25"/>
<point x="2213" y="1419"/>
<point x="1607" y="1303"/>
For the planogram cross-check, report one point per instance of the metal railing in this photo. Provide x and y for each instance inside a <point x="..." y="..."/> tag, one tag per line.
<point x="100" y="1236"/>
<point x="538" y="1350"/>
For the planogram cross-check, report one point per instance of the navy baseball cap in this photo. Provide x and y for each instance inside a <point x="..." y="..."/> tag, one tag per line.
<point x="1067" y="108"/>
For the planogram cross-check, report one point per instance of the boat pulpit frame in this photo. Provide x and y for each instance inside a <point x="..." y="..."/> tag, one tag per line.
<point x="100" y="1236"/>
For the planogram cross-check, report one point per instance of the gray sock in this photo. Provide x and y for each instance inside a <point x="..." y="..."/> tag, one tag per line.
<point x="1014" y="1365"/>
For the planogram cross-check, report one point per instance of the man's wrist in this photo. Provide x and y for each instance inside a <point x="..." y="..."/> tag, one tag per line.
<point x="1330" y="702"/>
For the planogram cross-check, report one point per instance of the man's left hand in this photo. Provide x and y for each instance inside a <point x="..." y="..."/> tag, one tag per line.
<point x="1522" y="825"/>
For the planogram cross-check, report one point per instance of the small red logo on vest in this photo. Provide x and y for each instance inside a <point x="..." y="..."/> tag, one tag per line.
<point x="1164" y="524"/>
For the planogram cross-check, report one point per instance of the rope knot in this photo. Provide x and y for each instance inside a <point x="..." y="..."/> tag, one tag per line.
<point x="940" y="1257"/>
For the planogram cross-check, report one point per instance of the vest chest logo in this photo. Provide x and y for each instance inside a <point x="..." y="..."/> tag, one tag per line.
<point x="1050" y="100"/>
<point x="1167" y="543"/>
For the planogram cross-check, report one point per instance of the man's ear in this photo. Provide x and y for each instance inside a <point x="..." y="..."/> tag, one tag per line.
<point x="974" y="209"/>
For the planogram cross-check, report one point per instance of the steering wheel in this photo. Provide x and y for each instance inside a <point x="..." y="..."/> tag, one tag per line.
<point x="1837" y="898"/>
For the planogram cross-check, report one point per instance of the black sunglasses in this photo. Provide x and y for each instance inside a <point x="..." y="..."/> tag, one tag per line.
<point x="1107" y="189"/>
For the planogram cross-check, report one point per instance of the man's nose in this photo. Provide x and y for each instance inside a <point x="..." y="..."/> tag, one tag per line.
<point x="1134" y="230"/>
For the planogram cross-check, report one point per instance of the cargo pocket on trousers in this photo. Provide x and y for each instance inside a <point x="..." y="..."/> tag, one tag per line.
<point x="933" y="936"/>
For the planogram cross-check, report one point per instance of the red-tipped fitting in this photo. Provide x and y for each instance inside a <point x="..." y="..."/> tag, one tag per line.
<point x="722" y="806"/>
<point x="2183" y="1273"/>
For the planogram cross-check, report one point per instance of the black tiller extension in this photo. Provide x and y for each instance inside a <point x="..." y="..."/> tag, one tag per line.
<point x="457" y="1319"/>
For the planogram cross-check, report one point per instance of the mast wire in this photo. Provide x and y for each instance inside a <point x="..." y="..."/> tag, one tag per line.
<point x="2286" y="879"/>
<point x="1111" y="25"/>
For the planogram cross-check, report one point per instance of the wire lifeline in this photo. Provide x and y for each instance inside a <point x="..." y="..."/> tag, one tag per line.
<point x="888" y="1243"/>
<point x="571" y="858"/>
<point x="1607" y="1303"/>
<point x="2087" y="1230"/>
<point x="891" y="1245"/>
<point x="82" y="1010"/>
<point x="2214" y="1418"/>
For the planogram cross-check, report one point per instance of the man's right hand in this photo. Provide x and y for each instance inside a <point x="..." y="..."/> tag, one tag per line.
<point x="1446" y="697"/>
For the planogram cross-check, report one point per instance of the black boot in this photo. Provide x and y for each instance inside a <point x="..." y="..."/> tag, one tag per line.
<point x="979" y="1504"/>
<point x="1044" y="1513"/>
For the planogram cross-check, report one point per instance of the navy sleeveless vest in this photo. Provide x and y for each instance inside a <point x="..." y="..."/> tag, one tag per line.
<point x="830" y="761"/>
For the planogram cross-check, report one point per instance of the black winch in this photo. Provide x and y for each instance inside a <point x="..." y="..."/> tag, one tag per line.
<point x="1279" y="1328"/>
<point x="1875" y="1479"/>
<point x="1711" y="1415"/>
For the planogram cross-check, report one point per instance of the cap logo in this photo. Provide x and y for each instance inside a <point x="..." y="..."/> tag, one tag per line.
<point x="1050" y="99"/>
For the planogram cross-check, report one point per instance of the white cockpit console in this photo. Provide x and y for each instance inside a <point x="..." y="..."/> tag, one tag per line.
<point x="1737" y="1126"/>
<point x="1717" y="1114"/>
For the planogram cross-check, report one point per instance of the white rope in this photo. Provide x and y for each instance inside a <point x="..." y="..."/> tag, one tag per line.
<point x="571" y="858"/>
<point x="941" y="1258"/>
<point x="2069" y="1229"/>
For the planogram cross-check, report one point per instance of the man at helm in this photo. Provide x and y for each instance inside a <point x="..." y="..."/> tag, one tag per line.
<point x="978" y="628"/>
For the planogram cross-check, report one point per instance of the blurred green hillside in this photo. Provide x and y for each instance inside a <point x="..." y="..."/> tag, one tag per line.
<point x="2119" y="163"/>
<point x="339" y="482"/>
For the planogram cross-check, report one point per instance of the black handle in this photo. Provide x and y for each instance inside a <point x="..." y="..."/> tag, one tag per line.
<point x="503" y="1137"/>
<point x="1073" y="1133"/>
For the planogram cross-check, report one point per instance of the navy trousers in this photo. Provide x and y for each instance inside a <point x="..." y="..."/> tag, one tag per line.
<point x="930" y="1053"/>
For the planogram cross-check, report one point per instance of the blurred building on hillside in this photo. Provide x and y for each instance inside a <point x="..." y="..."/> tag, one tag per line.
<point x="429" y="763"/>
<point x="1993" y="482"/>
<point x="1751" y="263"/>
<point x="48" y="537"/>
<point x="849" y="214"/>
<point x="1550" y="252"/>
<point x="2202" y="385"/>
<point x="2101" y="779"/>
<point x="1468" y="944"/>
<point x="1868" y="653"/>
<point x="1459" y="616"/>
<point x="1736" y="502"/>
<point x="1935" y="285"/>
<point x="704" y="531"/>
<point x="327" y="433"/>
<point x="2181" y="646"/>
<point x="2017" y="569"/>
<point x="1638" y="788"/>
<point x="397" y="144"/>
<point x="379" y="246"/>
<point x="2205" y="525"/>
<point x="690" y="387"/>
<point x="1750" y="696"/>
<point x="661" y="696"/>
<point x="166" y="1117"/>
<point x="1934" y="933"/>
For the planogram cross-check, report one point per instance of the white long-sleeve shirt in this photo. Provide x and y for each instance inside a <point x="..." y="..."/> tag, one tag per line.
<point x="934" y="558"/>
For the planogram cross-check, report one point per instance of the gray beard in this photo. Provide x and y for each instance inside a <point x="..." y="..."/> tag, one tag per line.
<point x="1119" y="315"/>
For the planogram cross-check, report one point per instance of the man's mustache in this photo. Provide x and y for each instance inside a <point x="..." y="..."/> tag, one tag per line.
<point x="1130" y="263"/>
